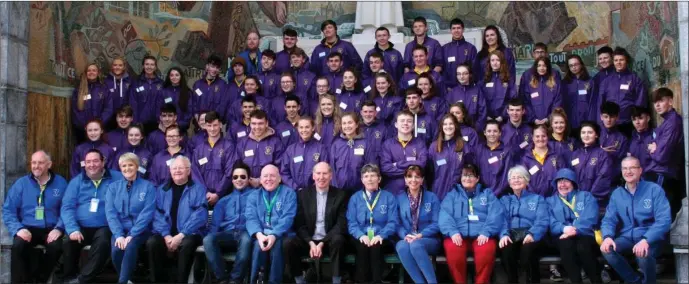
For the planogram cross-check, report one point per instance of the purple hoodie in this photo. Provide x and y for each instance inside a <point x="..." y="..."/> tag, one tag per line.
<point x="395" y="159"/>
<point x="516" y="138"/>
<point x="387" y="107"/>
<point x="638" y="146"/>
<point x="117" y="139"/>
<point x="541" y="100"/>
<point x="305" y="86"/>
<point x="98" y="104"/>
<point x="393" y="62"/>
<point x="159" y="172"/>
<point x="481" y="63"/>
<point x="287" y="133"/>
<point x="171" y="95"/>
<point x="259" y="153"/>
<point x="319" y="56"/>
<point x="435" y="52"/>
<point x="214" y="165"/>
<point x="334" y="79"/>
<point x="270" y="83"/>
<point x="542" y="174"/>
<point x="579" y="101"/>
<point x="435" y="106"/>
<point x="669" y="139"/>
<point x="347" y="157"/>
<point x="376" y="133"/>
<point x="446" y="166"/>
<point x="80" y="151"/>
<point x="497" y="94"/>
<point x="473" y="99"/>
<point x="349" y="100"/>
<point x="457" y="52"/>
<point x="298" y="162"/>
<point x="119" y="90"/>
<point x="593" y="167"/>
<point x="426" y="127"/>
<point x="144" y="95"/>
<point x="207" y="97"/>
<point x="625" y="89"/>
<point x="494" y="165"/>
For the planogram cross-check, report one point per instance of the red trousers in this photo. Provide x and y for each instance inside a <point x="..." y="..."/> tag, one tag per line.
<point x="484" y="259"/>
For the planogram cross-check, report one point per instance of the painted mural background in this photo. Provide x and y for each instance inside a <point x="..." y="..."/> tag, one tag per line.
<point x="65" y="36"/>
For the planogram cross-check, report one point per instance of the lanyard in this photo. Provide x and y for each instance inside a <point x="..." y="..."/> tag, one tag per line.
<point x="471" y="206"/>
<point x="97" y="184"/>
<point x="269" y="205"/>
<point x="371" y="206"/>
<point x="415" y="215"/>
<point x="570" y="205"/>
<point x="40" y="195"/>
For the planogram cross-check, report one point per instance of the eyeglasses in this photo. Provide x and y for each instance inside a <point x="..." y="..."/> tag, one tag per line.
<point x="236" y="177"/>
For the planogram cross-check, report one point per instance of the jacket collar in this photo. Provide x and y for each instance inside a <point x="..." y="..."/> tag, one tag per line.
<point x="390" y="47"/>
<point x="167" y="186"/>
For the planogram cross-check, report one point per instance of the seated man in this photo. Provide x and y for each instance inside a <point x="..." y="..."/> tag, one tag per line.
<point x="32" y="217"/>
<point x="83" y="212"/>
<point x="636" y="220"/>
<point x="320" y="225"/>
<point x="179" y="222"/>
<point x="269" y="214"/>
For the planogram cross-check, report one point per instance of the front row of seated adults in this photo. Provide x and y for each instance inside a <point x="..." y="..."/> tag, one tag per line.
<point x="118" y="212"/>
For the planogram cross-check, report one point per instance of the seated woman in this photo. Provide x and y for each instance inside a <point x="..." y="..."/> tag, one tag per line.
<point x="525" y="224"/>
<point x="474" y="228"/>
<point x="573" y="216"/>
<point x="372" y="220"/>
<point x="129" y="209"/>
<point x="418" y="228"/>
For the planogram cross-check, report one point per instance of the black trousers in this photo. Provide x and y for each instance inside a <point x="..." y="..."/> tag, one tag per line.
<point x="158" y="256"/>
<point x="674" y="190"/>
<point x="518" y="256"/>
<point x="369" y="261"/>
<point x="295" y="248"/>
<point x="577" y="252"/>
<point x="99" y="240"/>
<point x="28" y="264"/>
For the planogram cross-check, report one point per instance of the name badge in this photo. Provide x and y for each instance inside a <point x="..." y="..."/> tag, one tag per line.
<point x="142" y="170"/>
<point x="298" y="159"/>
<point x="39" y="212"/>
<point x="198" y="92"/>
<point x="249" y="153"/>
<point x="169" y="162"/>
<point x="285" y="133"/>
<point x="624" y="87"/>
<point x="87" y="97"/>
<point x="582" y="92"/>
<point x="141" y="89"/>
<point x="489" y="85"/>
<point x="114" y="149"/>
<point x="82" y="163"/>
<point x="378" y="109"/>
<point x="451" y="59"/>
<point x="440" y="162"/>
<point x="359" y="151"/>
<point x="411" y="82"/>
<point x="411" y="159"/>
<point x="343" y="105"/>
<point x="203" y="161"/>
<point x="473" y="217"/>
<point x="317" y="136"/>
<point x="338" y="91"/>
<point x="242" y="93"/>
<point x="168" y="100"/>
<point x="112" y="90"/>
<point x="534" y="170"/>
<point x="321" y="54"/>
<point x="524" y="144"/>
<point x="421" y="130"/>
<point x="465" y="138"/>
<point x="534" y="95"/>
<point x="368" y="88"/>
<point x="575" y="162"/>
<point x="492" y="160"/>
<point x="94" y="205"/>
<point x="241" y="134"/>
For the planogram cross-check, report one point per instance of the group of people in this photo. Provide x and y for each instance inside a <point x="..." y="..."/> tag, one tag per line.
<point x="310" y="155"/>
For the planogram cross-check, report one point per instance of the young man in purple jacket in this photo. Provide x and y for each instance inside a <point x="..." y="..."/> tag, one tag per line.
<point x="331" y="43"/>
<point x="642" y="136"/>
<point x="457" y="52"/>
<point x="335" y="71"/>
<point x="260" y="147"/>
<point x="268" y="77"/>
<point x="516" y="133"/>
<point x="612" y="140"/>
<point x="289" y="43"/>
<point x="209" y="92"/>
<point x="400" y="152"/>
<point x="391" y="58"/>
<point x="118" y="138"/>
<point x="435" y="51"/>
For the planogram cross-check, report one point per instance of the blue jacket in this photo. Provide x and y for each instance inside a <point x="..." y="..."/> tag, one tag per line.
<point x="530" y="211"/>
<point x="282" y="215"/>
<point x="560" y="215"/>
<point x="270" y="83"/>
<point x="192" y="213"/>
<point x="228" y="213"/>
<point x="481" y="62"/>
<point x="75" y="211"/>
<point x="644" y="215"/>
<point x="388" y="107"/>
<point x="282" y="61"/>
<point x="428" y="215"/>
<point x="129" y="211"/>
<point x="349" y="100"/>
<point x="19" y="210"/>
<point x="250" y="68"/>
<point x="395" y="159"/>
<point x="213" y="165"/>
<point x="298" y="161"/>
<point x="171" y="95"/>
<point x="385" y="214"/>
<point x="516" y="138"/>
<point x="287" y="132"/>
<point x="454" y="213"/>
<point x="319" y="56"/>
<point x="457" y="52"/>
<point x="376" y="133"/>
<point x="564" y="148"/>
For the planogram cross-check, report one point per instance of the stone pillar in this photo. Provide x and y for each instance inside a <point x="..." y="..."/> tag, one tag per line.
<point x="14" y="36"/>
<point x="679" y="234"/>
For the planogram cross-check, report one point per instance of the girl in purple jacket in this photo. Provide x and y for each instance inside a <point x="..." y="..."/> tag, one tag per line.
<point x="90" y="100"/>
<point x="94" y="134"/>
<point x="384" y="94"/>
<point x="447" y="155"/>
<point x="327" y="120"/>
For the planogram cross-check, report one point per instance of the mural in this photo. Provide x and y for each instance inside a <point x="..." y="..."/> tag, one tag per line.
<point x="65" y="36"/>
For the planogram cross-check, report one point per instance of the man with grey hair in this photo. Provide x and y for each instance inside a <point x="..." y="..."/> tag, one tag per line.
<point x="32" y="215"/>
<point x="320" y="228"/>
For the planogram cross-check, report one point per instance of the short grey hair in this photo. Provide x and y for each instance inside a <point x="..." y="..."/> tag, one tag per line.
<point x="521" y="171"/>
<point x="327" y="166"/>
<point x="129" y="157"/>
<point x="47" y="156"/>
<point x="370" y="168"/>
<point x="184" y="159"/>
<point x="631" y="158"/>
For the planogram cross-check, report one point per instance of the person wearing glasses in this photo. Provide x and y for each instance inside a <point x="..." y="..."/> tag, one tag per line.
<point x="160" y="167"/>
<point x="179" y="223"/>
<point x="372" y="220"/>
<point x="470" y="219"/>
<point x="524" y="226"/>
<point x="636" y="220"/>
<point x="155" y="141"/>
<point x="418" y="229"/>
<point x="228" y="229"/>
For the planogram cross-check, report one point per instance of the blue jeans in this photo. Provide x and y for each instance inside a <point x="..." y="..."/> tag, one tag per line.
<point x="125" y="260"/>
<point x="214" y="242"/>
<point x="646" y="264"/>
<point x="414" y="258"/>
<point x="259" y="259"/>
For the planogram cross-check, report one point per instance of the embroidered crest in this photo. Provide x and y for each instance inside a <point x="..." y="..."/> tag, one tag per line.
<point x="158" y="87"/>
<point x="144" y="162"/>
<point x="260" y="107"/>
<point x="526" y="137"/>
<point x="475" y="99"/>
<point x="617" y="143"/>
<point x="434" y="107"/>
<point x="502" y="155"/>
<point x="484" y="201"/>
<point x="580" y="206"/>
<point x="571" y="146"/>
<point x="278" y="206"/>
<point x="56" y="192"/>
<point x="586" y="86"/>
<point x="357" y="103"/>
<point x="393" y="58"/>
<point x="126" y="85"/>
<point x="390" y="104"/>
<point x="460" y="155"/>
<point x="593" y="161"/>
<point x="316" y="156"/>
<point x="339" y="49"/>
<point x="271" y="81"/>
<point x="220" y="153"/>
<point x="647" y="203"/>
<point x="269" y="150"/>
<point x="427" y="207"/>
<point x="554" y="161"/>
<point x="378" y="135"/>
<point x="504" y="85"/>
<point x="532" y="206"/>
<point x="100" y="95"/>
<point x="350" y="143"/>
<point x="423" y="124"/>
<point x="306" y="82"/>
<point x="383" y="209"/>
<point x="360" y="147"/>
<point x="629" y="82"/>
<point x="142" y="196"/>
<point x="466" y="52"/>
<point x="413" y="152"/>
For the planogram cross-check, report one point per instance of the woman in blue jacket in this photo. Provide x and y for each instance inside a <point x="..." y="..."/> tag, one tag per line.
<point x="372" y="220"/>
<point x="446" y="155"/>
<point x="474" y="228"/>
<point x="525" y="224"/>
<point x="129" y="209"/>
<point x="94" y="140"/>
<point x="573" y="217"/>
<point x="418" y="229"/>
<point x="135" y="145"/>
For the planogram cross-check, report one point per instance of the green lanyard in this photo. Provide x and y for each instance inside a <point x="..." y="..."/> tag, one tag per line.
<point x="570" y="205"/>
<point x="97" y="184"/>
<point x="269" y="205"/>
<point x="40" y="195"/>
<point x="371" y="206"/>
<point x="471" y="206"/>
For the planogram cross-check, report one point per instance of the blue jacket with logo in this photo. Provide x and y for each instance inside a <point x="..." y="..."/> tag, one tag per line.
<point x="454" y="213"/>
<point x="130" y="211"/>
<point x="428" y="215"/>
<point x="282" y="215"/>
<point x="76" y="203"/>
<point x="228" y="213"/>
<point x="192" y="213"/>
<point x="19" y="210"/>
<point x="385" y="214"/>
<point x="528" y="211"/>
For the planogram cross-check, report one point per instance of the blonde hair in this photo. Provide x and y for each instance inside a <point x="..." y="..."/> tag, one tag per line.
<point x="129" y="157"/>
<point x="336" y="114"/>
<point x="84" y="85"/>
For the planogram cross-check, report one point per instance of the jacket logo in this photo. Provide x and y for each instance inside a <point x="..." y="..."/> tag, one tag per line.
<point x="271" y="81"/>
<point x="269" y="150"/>
<point x="586" y="86"/>
<point x="142" y="196"/>
<point x="484" y="201"/>
<point x="56" y="192"/>
<point x="383" y="209"/>
<point x="144" y="162"/>
<point x="339" y="49"/>
<point x="413" y="152"/>
<point x="306" y="82"/>
<point x="580" y="206"/>
<point x="158" y="87"/>
<point x="357" y="103"/>
<point x="526" y="137"/>
<point x="390" y="104"/>
<point x="316" y="156"/>
<point x="126" y="85"/>
<point x="427" y="207"/>
<point x="393" y="58"/>
<point x="617" y="144"/>
<point x="554" y="161"/>
<point x="504" y="85"/>
<point x="647" y="203"/>
<point x="475" y="99"/>
<point x="466" y="52"/>
<point x="532" y="206"/>
<point x="460" y="155"/>
<point x="220" y="153"/>
<point x="434" y="107"/>
<point x="423" y="124"/>
<point x="593" y="161"/>
<point x="217" y="89"/>
<point x="571" y="146"/>
<point x="350" y="143"/>
<point x="278" y="206"/>
<point x="259" y="107"/>
<point x="377" y="133"/>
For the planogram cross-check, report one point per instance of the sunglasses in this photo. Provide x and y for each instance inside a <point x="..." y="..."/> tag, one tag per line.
<point x="236" y="177"/>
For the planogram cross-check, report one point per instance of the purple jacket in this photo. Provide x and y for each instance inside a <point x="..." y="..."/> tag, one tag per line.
<point x="235" y="92"/>
<point x="593" y="167"/>
<point x="319" y="56"/>
<point x="669" y="140"/>
<point x="516" y="138"/>
<point x="541" y="101"/>
<point x="144" y="95"/>
<point x="470" y="137"/>
<point x="474" y="100"/>
<point x="80" y="151"/>
<point x="119" y="90"/>
<point x="155" y="142"/>
<point x="409" y="80"/>
<point x="145" y="158"/>
<point x="615" y="138"/>
<point x="287" y="133"/>
<point x="283" y="62"/>
<point x="207" y="97"/>
<point x="213" y="165"/>
<point x="159" y="172"/>
<point x="305" y="86"/>
<point x="435" y="106"/>
<point x="494" y="165"/>
<point x="277" y="106"/>
<point x="198" y="138"/>
<point x="257" y="153"/>
<point x="326" y="135"/>
<point x="638" y="146"/>
<point x="564" y="148"/>
<point x="117" y="139"/>
<point x="237" y="130"/>
<point x="298" y="161"/>
<point x="334" y="79"/>
<point x="579" y="101"/>
<point x="446" y="166"/>
<point x="542" y="174"/>
<point x="529" y="73"/>
<point x="625" y="89"/>
<point x="171" y="95"/>
<point x="435" y="52"/>
<point x="393" y="62"/>
<point x="376" y="134"/>
<point x="234" y="112"/>
<point x="426" y="127"/>
<point x="270" y="83"/>
<point x="388" y="107"/>
<point x="349" y="100"/>
<point x="347" y="157"/>
<point x="481" y="63"/>
<point x="497" y="95"/>
<point x="395" y="159"/>
<point x="98" y="104"/>
<point x="455" y="53"/>
<point x="598" y="80"/>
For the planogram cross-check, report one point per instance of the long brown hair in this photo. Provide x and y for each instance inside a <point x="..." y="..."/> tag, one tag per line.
<point x="548" y="71"/>
<point x="458" y="134"/>
<point x="504" y="71"/>
<point x="357" y="120"/>
<point x="433" y="92"/>
<point x="373" y="93"/>
<point x="84" y="85"/>
<point x="336" y="114"/>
